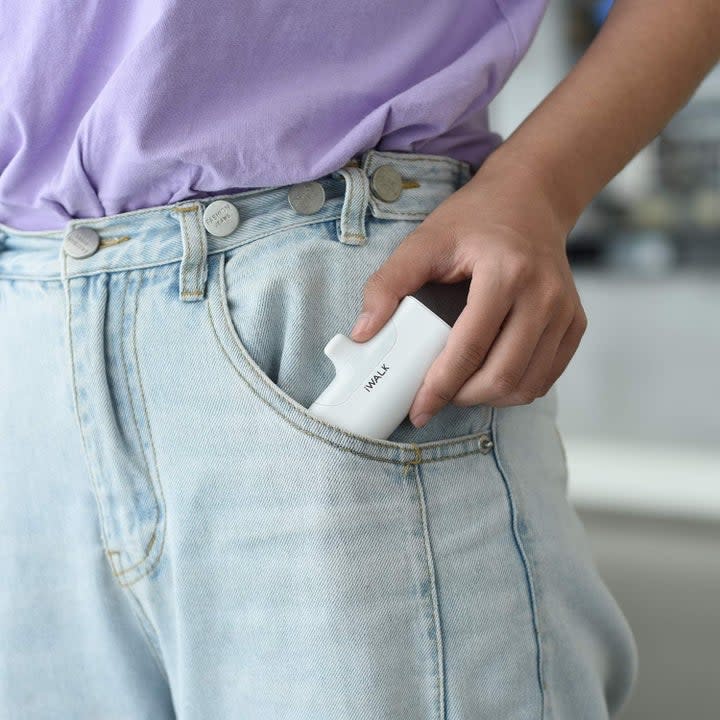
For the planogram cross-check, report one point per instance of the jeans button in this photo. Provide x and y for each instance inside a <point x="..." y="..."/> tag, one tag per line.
<point x="81" y="242"/>
<point x="220" y="218"/>
<point x="306" y="198"/>
<point x="386" y="183"/>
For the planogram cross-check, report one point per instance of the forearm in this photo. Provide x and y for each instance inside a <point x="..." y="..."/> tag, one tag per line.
<point x="644" y="65"/>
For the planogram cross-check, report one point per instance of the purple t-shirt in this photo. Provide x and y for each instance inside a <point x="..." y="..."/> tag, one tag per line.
<point x="112" y="106"/>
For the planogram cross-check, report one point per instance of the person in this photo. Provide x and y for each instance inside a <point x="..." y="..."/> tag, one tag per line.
<point x="195" y="197"/>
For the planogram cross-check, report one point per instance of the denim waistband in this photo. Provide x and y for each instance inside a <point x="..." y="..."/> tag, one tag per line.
<point x="176" y="232"/>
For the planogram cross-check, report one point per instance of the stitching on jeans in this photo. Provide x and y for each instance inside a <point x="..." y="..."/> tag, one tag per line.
<point x="326" y="440"/>
<point x="191" y="270"/>
<point x="445" y="443"/>
<point x="525" y="563"/>
<point x="73" y="375"/>
<point x="346" y="200"/>
<point x="440" y="686"/>
<point x="101" y="509"/>
<point x="199" y="279"/>
<point x="425" y="461"/>
<point x="350" y="190"/>
<point x="365" y="198"/>
<point x="454" y="162"/>
<point x="288" y="420"/>
<point x="418" y="456"/>
<point x="127" y="583"/>
<point x="401" y="212"/>
<point x="114" y="555"/>
<point x="161" y="504"/>
<point x="153" y="536"/>
<point x="105" y="242"/>
<point x="439" y="443"/>
<point x="186" y="250"/>
<point x="173" y="261"/>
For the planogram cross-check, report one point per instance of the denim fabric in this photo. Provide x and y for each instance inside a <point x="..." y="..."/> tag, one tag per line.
<point x="180" y="538"/>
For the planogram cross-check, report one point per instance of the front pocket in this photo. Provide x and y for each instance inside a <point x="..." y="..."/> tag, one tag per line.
<point x="275" y="303"/>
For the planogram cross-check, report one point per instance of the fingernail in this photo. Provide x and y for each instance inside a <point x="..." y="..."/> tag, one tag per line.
<point x="420" y="420"/>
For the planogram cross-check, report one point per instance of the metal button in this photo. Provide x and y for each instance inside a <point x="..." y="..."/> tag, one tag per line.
<point x="220" y="218"/>
<point x="485" y="444"/>
<point x="306" y="198"/>
<point x="386" y="183"/>
<point x="81" y="242"/>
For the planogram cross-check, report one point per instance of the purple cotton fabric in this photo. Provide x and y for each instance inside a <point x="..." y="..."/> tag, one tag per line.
<point x="112" y="106"/>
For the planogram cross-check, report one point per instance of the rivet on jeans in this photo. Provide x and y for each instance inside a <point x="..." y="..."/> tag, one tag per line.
<point x="485" y="444"/>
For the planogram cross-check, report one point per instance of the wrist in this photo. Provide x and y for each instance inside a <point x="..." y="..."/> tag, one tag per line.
<point x="531" y="170"/>
<point x="531" y="182"/>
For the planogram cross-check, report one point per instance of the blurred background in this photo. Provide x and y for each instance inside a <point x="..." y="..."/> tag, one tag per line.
<point x="639" y="404"/>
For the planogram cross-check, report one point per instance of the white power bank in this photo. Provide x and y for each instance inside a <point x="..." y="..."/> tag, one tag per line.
<point x="376" y="380"/>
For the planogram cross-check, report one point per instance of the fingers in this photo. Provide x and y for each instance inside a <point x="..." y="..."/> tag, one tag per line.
<point x="533" y="380"/>
<point x="521" y="325"/>
<point x="408" y="268"/>
<point x="553" y="352"/>
<point x="468" y="343"/>
<point x="567" y="348"/>
<point x="502" y="369"/>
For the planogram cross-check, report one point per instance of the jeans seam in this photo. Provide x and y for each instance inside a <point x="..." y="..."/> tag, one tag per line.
<point x="96" y="494"/>
<point x="425" y="157"/>
<point x="524" y="557"/>
<point x="430" y="568"/>
<point x="346" y="199"/>
<point x="350" y="198"/>
<point x="401" y="213"/>
<point x="112" y="553"/>
<point x="148" y="630"/>
<point x="159" y="502"/>
<point x="161" y="520"/>
<point x="102" y="518"/>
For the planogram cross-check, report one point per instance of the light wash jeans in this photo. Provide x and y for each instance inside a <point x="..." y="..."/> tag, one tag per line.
<point x="180" y="538"/>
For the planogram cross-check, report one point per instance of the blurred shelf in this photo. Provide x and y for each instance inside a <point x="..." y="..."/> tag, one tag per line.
<point x="656" y="233"/>
<point x="656" y="480"/>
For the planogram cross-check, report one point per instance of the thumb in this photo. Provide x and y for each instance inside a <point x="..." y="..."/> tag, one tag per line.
<point x="408" y="268"/>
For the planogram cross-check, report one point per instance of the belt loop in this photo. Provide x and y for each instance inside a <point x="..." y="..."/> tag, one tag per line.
<point x="355" y="204"/>
<point x="193" y="267"/>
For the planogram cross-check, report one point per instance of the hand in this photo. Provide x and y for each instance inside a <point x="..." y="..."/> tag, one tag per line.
<point x="523" y="319"/>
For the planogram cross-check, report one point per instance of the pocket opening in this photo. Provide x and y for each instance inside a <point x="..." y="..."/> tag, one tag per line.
<point x="292" y="412"/>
